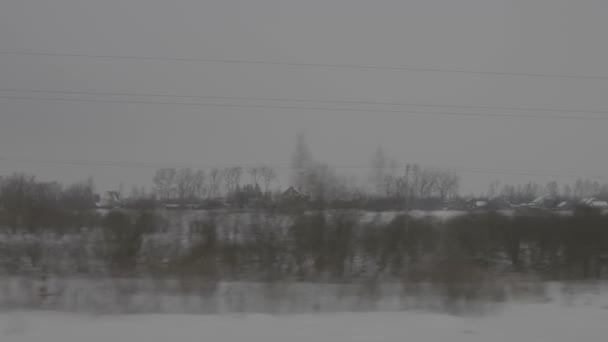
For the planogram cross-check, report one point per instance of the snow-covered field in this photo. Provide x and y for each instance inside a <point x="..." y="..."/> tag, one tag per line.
<point x="582" y="319"/>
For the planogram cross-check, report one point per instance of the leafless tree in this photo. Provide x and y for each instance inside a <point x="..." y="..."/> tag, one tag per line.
<point x="423" y="181"/>
<point x="164" y="182"/>
<point x="586" y="188"/>
<point x="529" y="191"/>
<point x="268" y="175"/>
<point x="493" y="188"/>
<point x="232" y="178"/>
<point x="200" y="185"/>
<point x="446" y="184"/>
<point x="390" y="182"/>
<point x="185" y="184"/>
<point x="552" y="189"/>
<point x="401" y="188"/>
<point x="254" y="172"/>
<point x="215" y="180"/>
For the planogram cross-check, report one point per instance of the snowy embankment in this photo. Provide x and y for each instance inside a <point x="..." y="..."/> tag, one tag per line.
<point x="582" y="318"/>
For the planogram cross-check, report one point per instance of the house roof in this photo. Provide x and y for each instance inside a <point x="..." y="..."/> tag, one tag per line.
<point x="293" y="192"/>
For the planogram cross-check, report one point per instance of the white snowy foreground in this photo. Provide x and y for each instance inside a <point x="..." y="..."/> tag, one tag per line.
<point x="582" y="320"/>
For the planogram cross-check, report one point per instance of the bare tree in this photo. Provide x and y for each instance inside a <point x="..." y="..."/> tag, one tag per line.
<point x="254" y="172"/>
<point x="552" y="189"/>
<point x="493" y="188"/>
<point x="215" y="180"/>
<point x="389" y="184"/>
<point x="268" y="175"/>
<point x="423" y="181"/>
<point x="401" y="186"/>
<point x="185" y="184"/>
<point x="200" y="185"/>
<point x="390" y="180"/>
<point x="586" y="188"/>
<point x="164" y="182"/>
<point x="446" y="184"/>
<point x="232" y="178"/>
<point x="529" y="191"/>
<point x="314" y="184"/>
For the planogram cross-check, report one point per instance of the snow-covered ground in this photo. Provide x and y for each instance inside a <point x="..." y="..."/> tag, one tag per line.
<point x="581" y="319"/>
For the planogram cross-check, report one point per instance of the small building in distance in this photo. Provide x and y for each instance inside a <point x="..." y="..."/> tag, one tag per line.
<point x="292" y="194"/>
<point x="545" y="202"/>
<point x="595" y="203"/>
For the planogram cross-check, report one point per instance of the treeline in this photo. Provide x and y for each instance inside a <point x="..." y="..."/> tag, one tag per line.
<point x="183" y="186"/>
<point x="390" y="185"/>
<point x="323" y="246"/>
<point x="317" y="186"/>
<point x="26" y="203"/>
<point x="343" y="246"/>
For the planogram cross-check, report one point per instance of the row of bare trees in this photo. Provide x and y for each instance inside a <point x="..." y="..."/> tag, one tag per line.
<point x="188" y="184"/>
<point x="390" y="180"/>
<point x="411" y="181"/>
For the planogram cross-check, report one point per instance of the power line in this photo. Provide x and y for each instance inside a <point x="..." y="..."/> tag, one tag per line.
<point x="307" y="65"/>
<point x="135" y="164"/>
<point x="277" y="99"/>
<point x="227" y="105"/>
<point x="126" y="164"/>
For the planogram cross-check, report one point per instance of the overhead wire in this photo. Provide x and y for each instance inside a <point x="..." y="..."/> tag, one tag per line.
<point x="366" y="110"/>
<point x="279" y="99"/>
<point x="305" y="64"/>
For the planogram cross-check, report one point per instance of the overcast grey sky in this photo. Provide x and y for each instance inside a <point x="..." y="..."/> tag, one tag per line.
<point x="529" y="36"/>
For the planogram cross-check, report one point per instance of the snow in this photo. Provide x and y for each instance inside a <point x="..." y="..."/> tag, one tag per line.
<point x="570" y="318"/>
